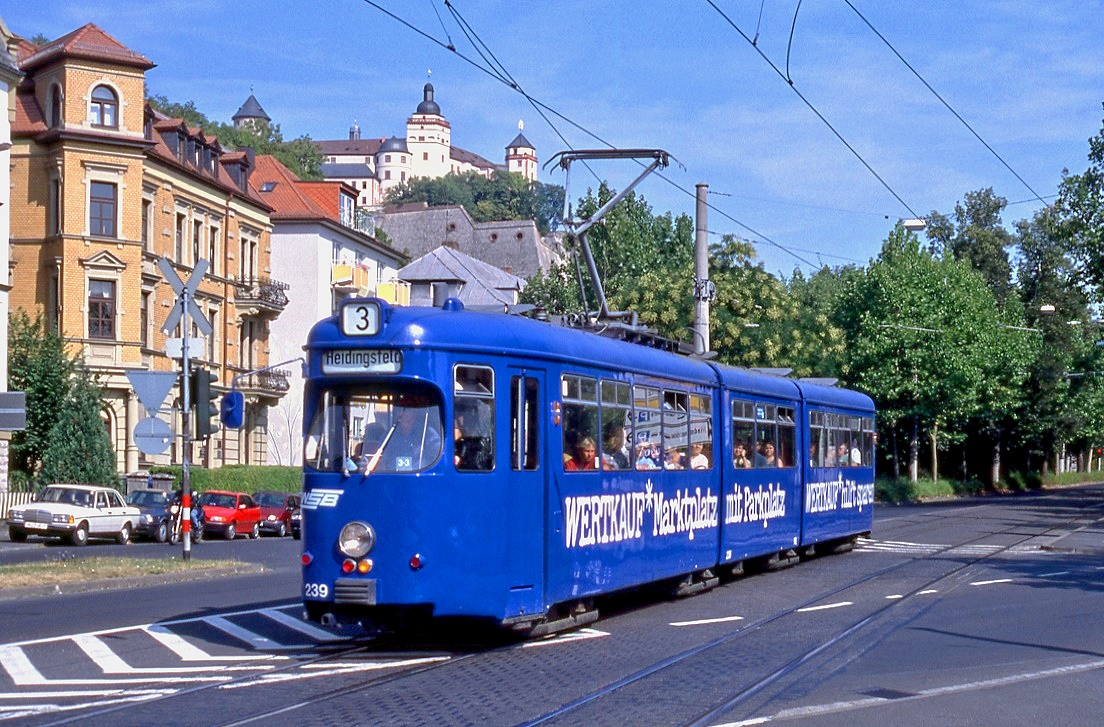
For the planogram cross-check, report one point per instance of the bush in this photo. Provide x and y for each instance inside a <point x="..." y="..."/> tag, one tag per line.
<point x="239" y="477"/>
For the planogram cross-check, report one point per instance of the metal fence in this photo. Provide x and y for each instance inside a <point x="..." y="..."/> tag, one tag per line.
<point x="13" y="499"/>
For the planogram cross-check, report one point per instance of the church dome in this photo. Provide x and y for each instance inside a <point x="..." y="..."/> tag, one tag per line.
<point x="394" y="144"/>
<point x="428" y="105"/>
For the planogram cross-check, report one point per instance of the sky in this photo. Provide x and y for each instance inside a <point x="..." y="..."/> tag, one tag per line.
<point x="803" y="118"/>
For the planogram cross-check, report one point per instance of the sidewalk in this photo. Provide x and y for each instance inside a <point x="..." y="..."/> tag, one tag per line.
<point x="1087" y="539"/>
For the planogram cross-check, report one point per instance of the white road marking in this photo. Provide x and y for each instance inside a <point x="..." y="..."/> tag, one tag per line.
<point x="825" y="607"/>
<point x="111" y="663"/>
<point x="302" y="626"/>
<point x="989" y="583"/>
<point x="325" y="670"/>
<point x="1055" y="573"/>
<point x="705" y="621"/>
<point x="252" y="638"/>
<point x="190" y="652"/>
<point x="580" y="635"/>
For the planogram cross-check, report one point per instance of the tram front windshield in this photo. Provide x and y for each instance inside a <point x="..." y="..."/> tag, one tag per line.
<point x="373" y="428"/>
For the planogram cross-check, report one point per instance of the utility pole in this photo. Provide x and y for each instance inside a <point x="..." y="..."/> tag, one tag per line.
<point x="704" y="289"/>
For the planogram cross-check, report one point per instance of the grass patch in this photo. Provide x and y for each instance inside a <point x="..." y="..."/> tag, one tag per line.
<point x="74" y="570"/>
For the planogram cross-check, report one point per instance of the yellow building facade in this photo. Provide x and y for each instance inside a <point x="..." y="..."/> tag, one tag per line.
<point x="103" y="187"/>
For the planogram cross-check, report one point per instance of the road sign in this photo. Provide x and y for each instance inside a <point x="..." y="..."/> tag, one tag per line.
<point x="174" y="347"/>
<point x="151" y="387"/>
<point x="185" y="296"/>
<point x="13" y="411"/>
<point x="152" y="436"/>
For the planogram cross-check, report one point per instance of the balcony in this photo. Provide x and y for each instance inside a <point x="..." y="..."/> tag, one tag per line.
<point x="260" y="297"/>
<point x="269" y="384"/>
<point x="351" y="280"/>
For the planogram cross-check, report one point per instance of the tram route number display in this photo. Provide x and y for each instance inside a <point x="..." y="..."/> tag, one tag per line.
<point x="362" y="361"/>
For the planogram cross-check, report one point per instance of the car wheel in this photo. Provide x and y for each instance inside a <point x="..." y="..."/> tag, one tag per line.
<point x="256" y="531"/>
<point x="17" y="536"/>
<point x="79" y="536"/>
<point x="231" y="531"/>
<point x="162" y="532"/>
<point x="281" y="530"/>
<point x="123" y="536"/>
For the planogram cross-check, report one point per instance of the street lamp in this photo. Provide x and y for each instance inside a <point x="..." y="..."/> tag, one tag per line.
<point x="914" y="225"/>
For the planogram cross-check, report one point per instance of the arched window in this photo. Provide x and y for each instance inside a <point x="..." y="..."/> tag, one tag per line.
<point x="105" y="108"/>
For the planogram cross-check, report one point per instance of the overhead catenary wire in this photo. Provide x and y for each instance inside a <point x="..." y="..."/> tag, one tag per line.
<point x="811" y="107"/>
<point x="945" y="104"/>
<point x="502" y="77"/>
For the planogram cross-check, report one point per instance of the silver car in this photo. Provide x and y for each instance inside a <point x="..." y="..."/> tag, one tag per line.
<point x="75" y="513"/>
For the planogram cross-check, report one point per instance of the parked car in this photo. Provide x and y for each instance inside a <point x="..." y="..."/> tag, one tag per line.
<point x="276" y="509"/>
<point x="76" y="513"/>
<point x="230" y="513"/>
<point x="296" y="523"/>
<point x="155" y="521"/>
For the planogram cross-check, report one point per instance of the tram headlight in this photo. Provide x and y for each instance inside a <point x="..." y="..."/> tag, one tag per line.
<point x="356" y="540"/>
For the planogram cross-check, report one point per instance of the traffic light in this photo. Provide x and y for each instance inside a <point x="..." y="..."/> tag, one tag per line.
<point x="203" y="402"/>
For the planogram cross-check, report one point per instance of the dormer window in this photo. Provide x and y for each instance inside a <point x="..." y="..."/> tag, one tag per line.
<point x="105" y="108"/>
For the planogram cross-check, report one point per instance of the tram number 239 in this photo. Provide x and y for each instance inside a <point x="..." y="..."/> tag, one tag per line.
<point x="315" y="590"/>
<point x="360" y="318"/>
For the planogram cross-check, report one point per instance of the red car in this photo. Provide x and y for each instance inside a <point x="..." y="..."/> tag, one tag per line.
<point x="276" y="510"/>
<point x="230" y="513"/>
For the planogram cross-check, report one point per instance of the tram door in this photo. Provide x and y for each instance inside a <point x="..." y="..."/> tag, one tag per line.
<point x="525" y="505"/>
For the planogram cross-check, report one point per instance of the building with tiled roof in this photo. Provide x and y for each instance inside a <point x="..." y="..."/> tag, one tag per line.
<point x="103" y="187"/>
<point x="448" y="273"/>
<point x="428" y="152"/>
<point x="9" y="81"/>
<point x="315" y="242"/>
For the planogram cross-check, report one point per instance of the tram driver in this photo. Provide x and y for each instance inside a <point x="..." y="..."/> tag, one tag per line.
<point x="415" y="440"/>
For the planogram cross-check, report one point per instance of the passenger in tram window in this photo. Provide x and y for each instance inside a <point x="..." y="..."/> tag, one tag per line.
<point x="843" y="458"/>
<point x="855" y="457"/>
<point x="614" y="456"/>
<point x="766" y="456"/>
<point x="647" y="456"/>
<point x="813" y="455"/>
<point x="739" y="456"/>
<point x="585" y="455"/>
<point x="673" y="459"/>
<point x="698" y="458"/>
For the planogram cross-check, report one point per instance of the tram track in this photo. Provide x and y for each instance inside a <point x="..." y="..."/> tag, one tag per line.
<point x="571" y="712"/>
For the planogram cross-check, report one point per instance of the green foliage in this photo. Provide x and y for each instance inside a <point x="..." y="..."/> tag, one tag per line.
<point x="239" y="478"/>
<point x="78" y="447"/>
<point x="38" y="365"/>
<point x="302" y="156"/>
<point x="504" y="196"/>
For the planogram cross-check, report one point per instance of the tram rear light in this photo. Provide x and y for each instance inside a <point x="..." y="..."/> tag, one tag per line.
<point x="556" y="417"/>
<point x="364" y="566"/>
<point x="348" y="565"/>
<point x="306" y="559"/>
<point x="416" y="561"/>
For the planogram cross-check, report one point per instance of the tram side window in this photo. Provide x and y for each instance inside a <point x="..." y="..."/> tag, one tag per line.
<point x="817" y="440"/>
<point x="701" y="432"/>
<point x="473" y="418"/>
<point x="868" y="440"/>
<point x="647" y="429"/>
<point x="854" y="444"/>
<point x="616" y="406"/>
<point x="524" y="432"/>
<point x="580" y="422"/>
<point x="743" y="434"/>
<point x="676" y="430"/>
<point x="787" y="452"/>
<point x="766" y="435"/>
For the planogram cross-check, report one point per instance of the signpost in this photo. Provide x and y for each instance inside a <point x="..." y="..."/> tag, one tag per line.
<point x="184" y="309"/>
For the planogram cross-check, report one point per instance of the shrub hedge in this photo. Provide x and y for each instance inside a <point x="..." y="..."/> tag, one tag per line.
<point x="240" y="477"/>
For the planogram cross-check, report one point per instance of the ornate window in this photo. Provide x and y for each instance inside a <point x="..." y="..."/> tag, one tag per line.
<point x="103" y="207"/>
<point x="101" y="309"/>
<point x="105" y="108"/>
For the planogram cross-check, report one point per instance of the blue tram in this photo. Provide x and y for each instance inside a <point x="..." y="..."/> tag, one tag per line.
<point x="468" y="464"/>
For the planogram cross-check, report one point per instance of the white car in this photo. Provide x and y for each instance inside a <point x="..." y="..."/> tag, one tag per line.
<point x="76" y="513"/>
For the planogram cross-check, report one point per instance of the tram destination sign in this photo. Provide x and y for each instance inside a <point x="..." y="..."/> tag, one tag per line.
<point x="364" y="361"/>
<point x="360" y="318"/>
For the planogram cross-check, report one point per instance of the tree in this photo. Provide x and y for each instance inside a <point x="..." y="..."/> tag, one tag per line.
<point x="977" y="237"/>
<point x="504" y="196"/>
<point x="78" y="447"/>
<point x="38" y="365"/>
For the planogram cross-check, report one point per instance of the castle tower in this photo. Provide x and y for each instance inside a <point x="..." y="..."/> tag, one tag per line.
<point x="521" y="156"/>
<point x="393" y="166"/>
<point x="250" y="114"/>
<point x="429" y="138"/>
